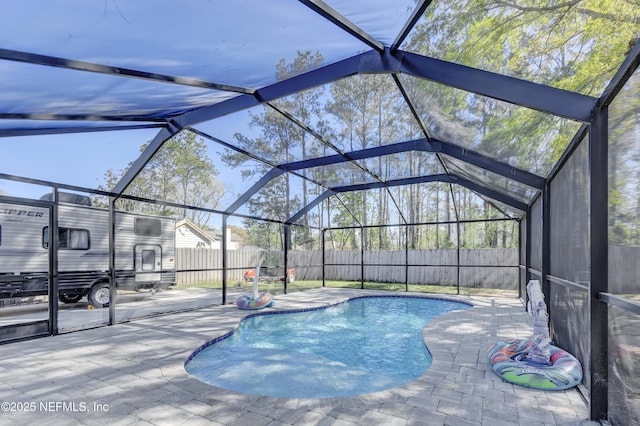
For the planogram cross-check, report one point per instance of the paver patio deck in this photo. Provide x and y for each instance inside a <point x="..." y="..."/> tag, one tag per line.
<point x="133" y="373"/>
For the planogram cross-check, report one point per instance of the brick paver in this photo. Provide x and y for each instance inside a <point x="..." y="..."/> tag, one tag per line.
<point x="133" y="373"/>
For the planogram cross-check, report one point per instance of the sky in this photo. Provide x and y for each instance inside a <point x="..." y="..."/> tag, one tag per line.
<point x="76" y="159"/>
<point x="82" y="159"/>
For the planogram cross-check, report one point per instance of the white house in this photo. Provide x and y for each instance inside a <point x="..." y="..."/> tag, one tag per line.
<point x="233" y="241"/>
<point x="190" y="235"/>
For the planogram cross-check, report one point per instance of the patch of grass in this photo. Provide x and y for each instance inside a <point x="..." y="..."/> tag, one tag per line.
<point x="278" y="288"/>
<point x="214" y="284"/>
<point x="634" y="297"/>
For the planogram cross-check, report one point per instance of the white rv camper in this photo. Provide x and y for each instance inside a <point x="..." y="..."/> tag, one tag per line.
<point x="144" y="251"/>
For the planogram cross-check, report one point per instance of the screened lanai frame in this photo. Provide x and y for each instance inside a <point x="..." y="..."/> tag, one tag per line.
<point x="380" y="53"/>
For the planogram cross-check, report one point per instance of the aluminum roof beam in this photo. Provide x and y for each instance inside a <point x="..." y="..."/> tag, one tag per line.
<point x="68" y="130"/>
<point x="338" y="19"/>
<point x="520" y="92"/>
<point x="392" y="183"/>
<point x="416" y="15"/>
<point x="524" y="93"/>
<point x="498" y="196"/>
<point x="316" y="77"/>
<point x="320" y="198"/>
<point x="624" y="73"/>
<point x="79" y="117"/>
<point x="435" y="146"/>
<point x="271" y="174"/>
<point x="489" y="164"/>
<point x="52" y="61"/>
<point x="540" y="97"/>
<point x="355" y="155"/>
<point x="145" y="157"/>
<point x="452" y="179"/>
<point x="319" y="137"/>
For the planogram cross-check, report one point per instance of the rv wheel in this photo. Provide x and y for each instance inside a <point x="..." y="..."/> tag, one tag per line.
<point x="99" y="295"/>
<point x="69" y="297"/>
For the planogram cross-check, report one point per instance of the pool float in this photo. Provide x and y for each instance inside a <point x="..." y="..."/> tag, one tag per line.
<point x="535" y="363"/>
<point x="249" y="301"/>
<point x="255" y="300"/>
<point x="508" y="359"/>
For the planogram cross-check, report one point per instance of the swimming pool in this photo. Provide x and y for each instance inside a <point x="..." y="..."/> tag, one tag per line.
<point x="359" y="346"/>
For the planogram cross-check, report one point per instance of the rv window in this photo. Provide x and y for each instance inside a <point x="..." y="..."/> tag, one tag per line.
<point x="71" y="239"/>
<point x="148" y="260"/>
<point x="147" y="227"/>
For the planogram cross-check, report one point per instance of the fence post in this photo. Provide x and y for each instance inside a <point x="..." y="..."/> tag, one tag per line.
<point x="324" y="259"/>
<point x="362" y="240"/>
<point x="286" y="255"/>
<point x="458" y="255"/>
<point x="53" y="266"/>
<point x="406" y="257"/>
<point x="112" y="260"/>
<point x="223" y="246"/>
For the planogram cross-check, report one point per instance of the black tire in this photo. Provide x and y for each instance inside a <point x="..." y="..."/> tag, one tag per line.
<point x="69" y="297"/>
<point x="99" y="295"/>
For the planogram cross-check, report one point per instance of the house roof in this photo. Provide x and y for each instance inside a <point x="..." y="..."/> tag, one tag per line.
<point x="195" y="229"/>
<point x="216" y="234"/>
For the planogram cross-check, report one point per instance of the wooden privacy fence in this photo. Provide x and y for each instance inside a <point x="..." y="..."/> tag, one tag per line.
<point x="491" y="268"/>
<point x="196" y="265"/>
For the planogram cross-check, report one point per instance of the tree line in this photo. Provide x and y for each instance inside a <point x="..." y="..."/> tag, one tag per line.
<point x="181" y="172"/>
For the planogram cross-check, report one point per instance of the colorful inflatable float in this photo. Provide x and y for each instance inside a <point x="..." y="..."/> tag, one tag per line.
<point x="256" y="300"/>
<point x="535" y="363"/>
<point x="508" y="359"/>
<point x="248" y="301"/>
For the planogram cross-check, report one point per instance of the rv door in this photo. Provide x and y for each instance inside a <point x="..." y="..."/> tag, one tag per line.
<point x="148" y="263"/>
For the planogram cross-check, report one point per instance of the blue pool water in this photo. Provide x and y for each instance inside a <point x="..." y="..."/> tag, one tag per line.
<point x="364" y="345"/>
